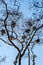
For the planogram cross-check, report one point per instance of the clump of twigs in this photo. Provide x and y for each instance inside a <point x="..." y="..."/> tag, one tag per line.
<point x="23" y="37"/>
<point x="37" y="40"/>
<point x="13" y="24"/>
<point x="27" y="30"/>
<point x="2" y="31"/>
<point x="11" y="37"/>
<point x="33" y="28"/>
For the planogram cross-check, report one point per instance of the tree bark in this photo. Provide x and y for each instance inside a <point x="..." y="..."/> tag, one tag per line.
<point x="28" y="56"/>
<point x="19" y="60"/>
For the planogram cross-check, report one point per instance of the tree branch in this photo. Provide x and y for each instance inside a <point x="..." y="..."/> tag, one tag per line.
<point x="6" y="42"/>
<point x="31" y="39"/>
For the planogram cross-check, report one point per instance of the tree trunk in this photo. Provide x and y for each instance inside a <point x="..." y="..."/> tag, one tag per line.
<point x="28" y="56"/>
<point x="19" y="61"/>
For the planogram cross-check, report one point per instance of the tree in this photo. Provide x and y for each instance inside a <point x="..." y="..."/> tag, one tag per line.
<point x="24" y="33"/>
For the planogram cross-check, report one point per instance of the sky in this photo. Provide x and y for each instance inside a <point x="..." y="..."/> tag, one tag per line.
<point x="11" y="52"/>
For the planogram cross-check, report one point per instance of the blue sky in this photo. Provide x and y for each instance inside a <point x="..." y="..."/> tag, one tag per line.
<point x="11" y="52"/>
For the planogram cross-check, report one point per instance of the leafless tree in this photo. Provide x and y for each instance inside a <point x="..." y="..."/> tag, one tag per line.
<point x="25" y="34"/>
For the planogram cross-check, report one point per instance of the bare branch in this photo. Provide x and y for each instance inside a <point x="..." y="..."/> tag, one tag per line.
<point x="31" y="38"/>
<point x="6" y="42"/>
